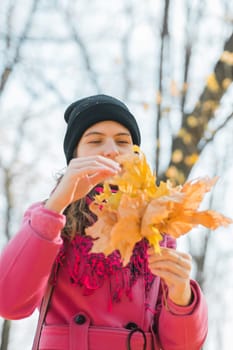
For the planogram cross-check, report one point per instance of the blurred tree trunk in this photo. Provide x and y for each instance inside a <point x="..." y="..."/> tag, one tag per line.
<point x="162" y="62"/>
<point x="5" y="334"/>
<point x="186" y="145"/>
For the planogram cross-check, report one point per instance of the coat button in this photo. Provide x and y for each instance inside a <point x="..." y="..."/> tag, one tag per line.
<point x="131" y="326"/>
<point x="80" y="319"/>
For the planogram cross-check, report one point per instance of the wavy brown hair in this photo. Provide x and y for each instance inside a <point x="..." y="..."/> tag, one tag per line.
<point x="78" y="216"/>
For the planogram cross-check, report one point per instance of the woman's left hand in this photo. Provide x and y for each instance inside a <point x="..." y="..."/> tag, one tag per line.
<point x="174" y="268"/>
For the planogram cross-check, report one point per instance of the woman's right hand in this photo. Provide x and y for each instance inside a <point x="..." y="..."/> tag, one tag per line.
<point x="82" y="174"/>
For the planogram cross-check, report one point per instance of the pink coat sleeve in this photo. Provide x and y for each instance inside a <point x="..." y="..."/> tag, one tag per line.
<point x="27" y="260"/>
<point x="182" y="328"/>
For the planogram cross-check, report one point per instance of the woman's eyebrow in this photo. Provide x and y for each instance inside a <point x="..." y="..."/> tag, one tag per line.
<point x="123" y="134"/>
<point x="93" y="133"/>
<point x="102" y="134"/>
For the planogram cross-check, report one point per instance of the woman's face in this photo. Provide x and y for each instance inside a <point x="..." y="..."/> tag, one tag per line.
<point x="107" y="138"/>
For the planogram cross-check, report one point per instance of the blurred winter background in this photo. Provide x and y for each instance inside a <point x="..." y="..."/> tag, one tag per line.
<point x="171" y="61"/>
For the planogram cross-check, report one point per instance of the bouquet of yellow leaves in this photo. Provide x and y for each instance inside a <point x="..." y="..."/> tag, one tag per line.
<point x="141" y="209"/>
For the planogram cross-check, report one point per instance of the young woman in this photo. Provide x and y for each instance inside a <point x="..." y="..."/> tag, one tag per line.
<point x="96" y="303"/>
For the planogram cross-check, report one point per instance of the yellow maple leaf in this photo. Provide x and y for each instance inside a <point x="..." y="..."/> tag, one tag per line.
<point x="125" y="233"/>
<point x="142" y="209"/>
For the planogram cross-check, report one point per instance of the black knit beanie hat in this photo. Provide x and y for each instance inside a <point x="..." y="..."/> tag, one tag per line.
<point x="84" y="113"/>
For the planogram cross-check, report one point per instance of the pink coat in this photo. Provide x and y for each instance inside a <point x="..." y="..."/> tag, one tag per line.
<point x="79" y="318"/>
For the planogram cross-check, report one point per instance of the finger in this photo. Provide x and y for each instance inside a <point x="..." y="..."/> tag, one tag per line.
<point x="170" y="278"/>
<point x="172" y="259"/>
<point x="96" y="161"/>
<point x="93" y="171"/>
<point x="90" y="181"/>
<point x="181" y="271"/>
<point x="169" y="254"/>
<point x="91" y="174"/>
<point x="100" y="176"/>
<point x="169" y="251"/>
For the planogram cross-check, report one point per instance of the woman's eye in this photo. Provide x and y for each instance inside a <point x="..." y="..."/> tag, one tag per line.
<point x="95" y="141"/>
<point x="123" y="142"/>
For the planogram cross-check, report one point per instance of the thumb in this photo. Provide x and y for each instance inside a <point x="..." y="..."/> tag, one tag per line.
<point x="97" y="178"/>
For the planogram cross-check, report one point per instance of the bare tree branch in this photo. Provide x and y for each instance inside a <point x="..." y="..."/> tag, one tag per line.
<point x="214" y="132"/>
<point x="79" y="41"/>
<point x="49" y="85"/>
<point x="7" y="71"/>
<point x="125" y="52"/>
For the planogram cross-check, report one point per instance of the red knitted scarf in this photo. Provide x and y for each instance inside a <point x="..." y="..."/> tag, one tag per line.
<point x="91" y="270"/>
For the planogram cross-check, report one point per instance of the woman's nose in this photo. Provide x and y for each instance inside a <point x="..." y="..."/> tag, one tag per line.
<point x="111" y="149"/>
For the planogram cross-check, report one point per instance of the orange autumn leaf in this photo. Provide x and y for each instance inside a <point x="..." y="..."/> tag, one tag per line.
<point x="100" y="231"/>
<point x="109" y="230"/>
<point x="141" y="209"/>
<point x="131" y="207"/>
<point x="177" y="217"/>
<point x="195" y="191"/>
<point x="125" y="233"/>
<point x="210" y="219"/>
